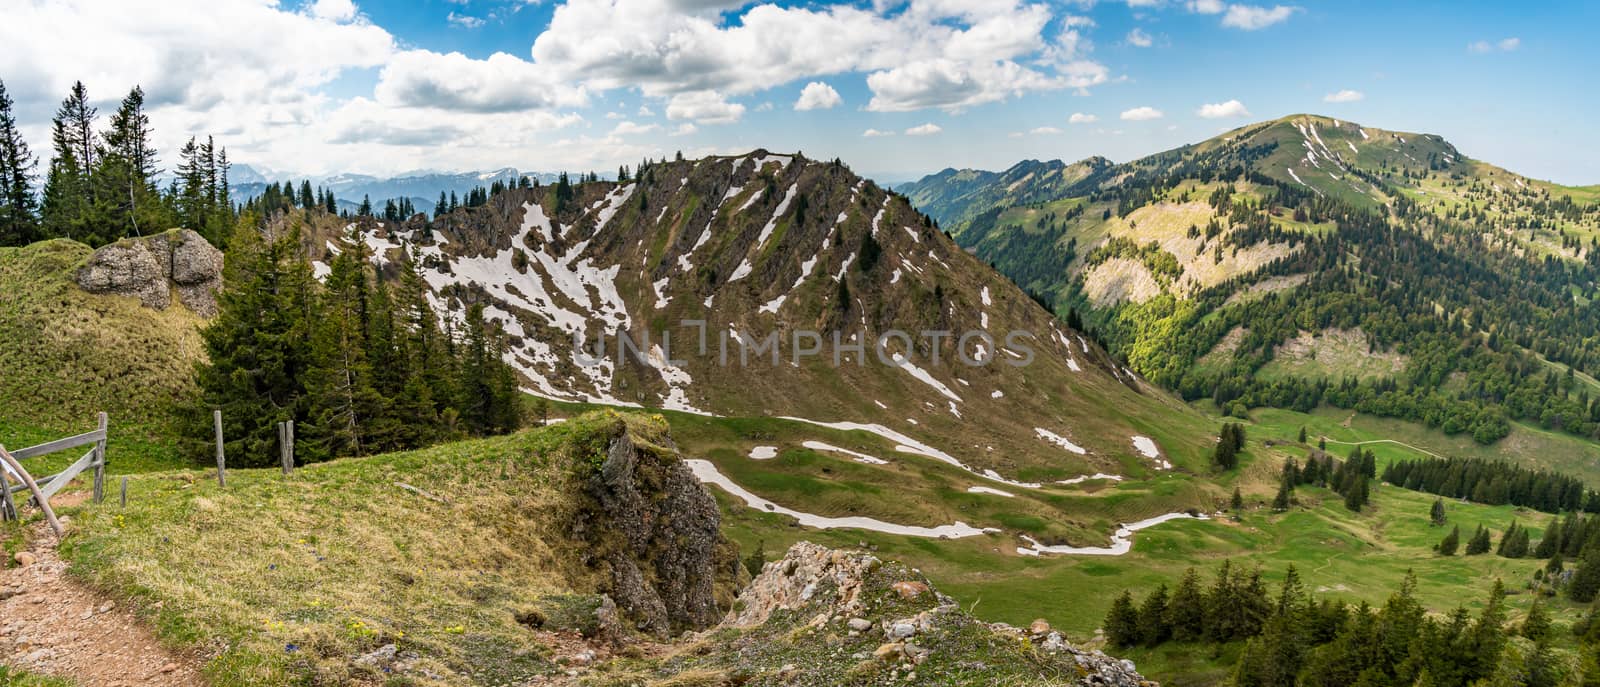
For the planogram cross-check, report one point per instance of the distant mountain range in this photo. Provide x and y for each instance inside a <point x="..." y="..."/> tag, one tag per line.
<point x="421" y="186"/>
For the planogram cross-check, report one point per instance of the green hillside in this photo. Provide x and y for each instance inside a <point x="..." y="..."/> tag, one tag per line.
<point x="1311" y="261"/>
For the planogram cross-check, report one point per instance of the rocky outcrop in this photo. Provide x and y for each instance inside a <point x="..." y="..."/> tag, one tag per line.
<point x="652" y="529"/>
<point x="151" y="268"/>
<point x="821" y="616"/>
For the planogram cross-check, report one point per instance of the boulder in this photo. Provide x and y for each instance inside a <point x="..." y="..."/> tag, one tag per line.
<point x="654" y="529"/>
<point x="151" y="268"/>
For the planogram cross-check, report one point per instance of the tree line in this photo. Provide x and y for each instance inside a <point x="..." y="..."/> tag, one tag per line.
<point x="360" y="362"/>
<point x="101" y="184"/>
<point x="1294" y="639"/>
<point x="1494" y="483"/>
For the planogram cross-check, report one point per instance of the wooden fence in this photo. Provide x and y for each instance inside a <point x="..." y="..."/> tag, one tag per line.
<point x="95" y="459"/>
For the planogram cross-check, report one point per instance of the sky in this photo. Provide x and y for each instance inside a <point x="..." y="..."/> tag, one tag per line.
<point x="896" y="88"/>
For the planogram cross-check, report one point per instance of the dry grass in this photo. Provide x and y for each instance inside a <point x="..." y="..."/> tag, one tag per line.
<point x="65" y="354"/>
<point x="279" y="578"/>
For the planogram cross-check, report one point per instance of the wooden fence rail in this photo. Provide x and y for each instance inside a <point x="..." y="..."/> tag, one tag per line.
<point x="95" y="460"/>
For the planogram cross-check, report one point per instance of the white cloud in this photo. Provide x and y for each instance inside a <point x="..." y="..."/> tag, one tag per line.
<point x="501" y="83"/>
<point x="928" y="129"/>
<point x="684" y="129"/>
<point x="874" y="133"/>
<point x="704" y="107"/>
<point x="334" y="10"/>
<point x="1141" y="114"/>
<point x="1344" y="96"/>
<point x="1502" y="45"/>
<point x="1206" y="6"/>
<point x="464" y="21"/>
<point x="1251" y="18"/>
<point x="933" y="53"/>
<point x="1138" y="38"/>
<point x="1045" y="131"/>
<point x="817" y="96"/>
<point x="1081" y="118"/>
<point x="645" y="111"/>
<point x="1232" y="108"/>
<point x="632" y="129"/>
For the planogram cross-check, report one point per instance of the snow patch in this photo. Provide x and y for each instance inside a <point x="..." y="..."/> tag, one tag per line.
<point x="707" y="473"/>
<point x="858" y="456"/>
<point x="990" y="490"/>
<point x="1121" y="540"/>
<point x="763" y="453"/>
<point x="1059" y="440"/>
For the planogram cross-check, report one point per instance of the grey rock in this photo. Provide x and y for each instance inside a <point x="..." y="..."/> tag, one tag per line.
<point x="659" y="535"/>
<point x="150" y="268"/>
<point x="860" y="624"/>
<point x="900" y="631"/>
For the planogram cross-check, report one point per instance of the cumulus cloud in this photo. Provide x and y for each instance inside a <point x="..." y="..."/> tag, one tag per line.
<point x="1141" y="114"/>
<point x="465" y="21"/>
<point x="645" y="111"/>
<point x="1045" y="131"/>
<point x="704" y="107"/>
<point x="934" y="53"/>
<point x="684" y="129"/>
<point x="817" y="96"/>
<point x="1502" y="45"/>
<point x="1205" y="6"/>
<point x="1232" y="108"/>
<point x="630" y="129"/>
<point x="1344" y="96"/>
<point x="1138" y="38"/>
<point x="874" y="133"/>
<point x="1081" y="118"/>
<point x="928" y="129"/>
<point x="501" y="83"/>
<point x="1251" y="17"/>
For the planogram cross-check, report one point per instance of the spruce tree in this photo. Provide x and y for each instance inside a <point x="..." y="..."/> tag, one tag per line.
<point x="19" y="223"/>
<point x="1122" y="622"/>
<point x="68" y="207"/>
<point x="343" y="405"/>
<point x="257" y="347"/>
<point x="1153" y="627"/>
<point x="1237" y="502"/>
<point x="1479" y="543"/>
<point x="1451" y="542"/>
<point x="1585" y="582"/>
<point x="1436" y="514"/>
<point x="1186" y="612"/>
<point x="124" y="179"/>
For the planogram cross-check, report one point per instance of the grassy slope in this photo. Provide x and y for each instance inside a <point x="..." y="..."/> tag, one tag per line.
<point x="67" y="354"/>
<point x="298" y="575"/>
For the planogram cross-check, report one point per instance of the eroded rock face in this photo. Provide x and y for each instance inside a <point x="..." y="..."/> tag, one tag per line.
<point x="655" y="528"/>
<point x="151" y="268"/>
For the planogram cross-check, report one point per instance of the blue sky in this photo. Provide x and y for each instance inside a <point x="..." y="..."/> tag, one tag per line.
<point x="387" y="86"/>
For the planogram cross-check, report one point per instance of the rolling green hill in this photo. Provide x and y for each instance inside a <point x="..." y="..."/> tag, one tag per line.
<point x="1311" y="261"/>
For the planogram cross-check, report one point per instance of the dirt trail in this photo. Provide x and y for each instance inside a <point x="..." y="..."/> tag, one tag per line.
<point x="54" y="625"/>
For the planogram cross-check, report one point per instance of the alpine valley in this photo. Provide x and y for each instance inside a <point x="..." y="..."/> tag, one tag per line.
<point x="1219" y="415"/>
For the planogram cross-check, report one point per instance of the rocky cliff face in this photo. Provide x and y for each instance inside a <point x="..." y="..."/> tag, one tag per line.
<point x="651" y="530"/>
<point x="151" y="268"/>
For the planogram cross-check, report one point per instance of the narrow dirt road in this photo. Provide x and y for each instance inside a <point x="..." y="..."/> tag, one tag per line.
<point x="52" y="624"/>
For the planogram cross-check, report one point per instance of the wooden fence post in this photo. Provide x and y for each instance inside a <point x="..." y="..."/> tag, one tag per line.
<point x="291" y="445"/>
<point x="38" y="496"/>
<point x="8" y="508"/>
<point x="222" y="467"/>
<point x="124" y="491"/>
<point x="100" y="459"/>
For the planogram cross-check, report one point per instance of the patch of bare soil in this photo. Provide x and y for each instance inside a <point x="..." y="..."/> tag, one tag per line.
<point x="54" y="625"/>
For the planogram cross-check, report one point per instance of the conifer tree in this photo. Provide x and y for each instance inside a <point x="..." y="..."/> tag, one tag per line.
<point x="124" y="178"/>
<point x="19" y="223"/>
<point x="257" y="348"/>
<point x="1585" y="584"/>
<point x="343" y="404"/>
<point x="1237" y="502"/>
<point x="68" y="204"/>
<point x="1451" y="542"/>
<point x="1186" y="613"/>
<point x="1153" y="627"/>
<point x="1122" y="622"/>
<point x="1436" y="515"/>
<point x="1479" y="543"/>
